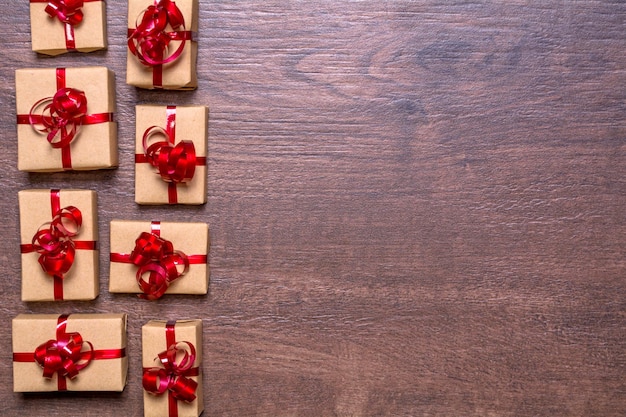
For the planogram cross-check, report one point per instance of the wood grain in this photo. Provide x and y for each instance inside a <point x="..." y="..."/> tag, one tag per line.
<point x="416" y="208"/>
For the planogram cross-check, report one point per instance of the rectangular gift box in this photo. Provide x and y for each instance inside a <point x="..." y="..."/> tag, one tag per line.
<point x="157" y="336"/>
<point x="81" y="281"/>
<point x="106" y="333"/>
<point x="191" y="238"/>
<point x="95" y="144"/>
<point x="51" y="36"/>
<point x="180" y="73"/>
<point x="181" y="123"/>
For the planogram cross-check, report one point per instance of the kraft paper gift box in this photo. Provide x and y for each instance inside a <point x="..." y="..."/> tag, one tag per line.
<point x="52" y="138"/>
<point x="80" y="29"/>
<point x="174" y="127"/>
<point x="38" y="208"/>
<point x="157" y="337"/>
<point x="188" y="237"/>
<point x="97" y="343"/>
<point x="172" y="66"/>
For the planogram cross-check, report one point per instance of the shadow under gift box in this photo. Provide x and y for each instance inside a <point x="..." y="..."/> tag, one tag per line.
<point x="95" y="144"/>
<point x="107" y="371"/>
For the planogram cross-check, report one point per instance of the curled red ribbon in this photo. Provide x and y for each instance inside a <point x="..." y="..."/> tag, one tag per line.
<point x="175" y="163"/>
<point x="59" y="116"/>
<point x="177" y="363"/>
<point x="157" y="258"/>
<point x="54" y="241"/>
<point x="67" y="11"/>
<point x="66" y="355"/>
<point x="151" y="39"/>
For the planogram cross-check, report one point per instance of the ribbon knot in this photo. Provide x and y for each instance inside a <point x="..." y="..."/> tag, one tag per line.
<point x="156" y="257"/>
<point x="175" y="163"/>
<point x="60" y="116"/>
<point x="150" y="39"/>
<point x="67" y="11"/>
<point x="64" y="356"/>
<point x="54" y="241"/>
<point x="177" y="363"/>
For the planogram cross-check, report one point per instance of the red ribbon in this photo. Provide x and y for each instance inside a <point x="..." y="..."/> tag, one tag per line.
<point x="60" y="117"/>
<point x="150" y="39"/>
<point x="66" y="355"/>
<point x="157" y="258"/>
<point x="55" y="244"/>
<point x="68" y="12"/>
<point x="176" y="164"/>
<point x="177" y="361"/>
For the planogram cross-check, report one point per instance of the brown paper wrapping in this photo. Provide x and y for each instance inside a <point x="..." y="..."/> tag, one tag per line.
<point x="104" y="331"/>
<point x="179" y="74"/>
<point x="48" y="33"/>
<point x="191" y="124"/>
<point x="153" y="343"/>
<point x="81" y="281"/>
<point x="190" y="238"/>
<point x="95" y="147"/>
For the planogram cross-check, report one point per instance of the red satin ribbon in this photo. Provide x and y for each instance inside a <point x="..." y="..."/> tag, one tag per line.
<point x="66" y="355"/>
<point x="55" y="244"/>
<point x="150" y="40"/>
<point x="68" y="12"/>
<point x="173" y="377"/>
<point x="176" y="164"/>
<point x="60" y="117"/>
<point x="156" y="257"/>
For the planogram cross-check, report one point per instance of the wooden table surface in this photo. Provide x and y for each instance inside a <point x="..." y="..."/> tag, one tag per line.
<point x="416" y="209"/>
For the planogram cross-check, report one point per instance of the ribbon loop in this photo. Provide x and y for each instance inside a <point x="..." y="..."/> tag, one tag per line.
<point x="67" y="11"/>
<point x="150" y="40"/>
<point x="157" y="258"/>
<point x="175" y="163"/>
<point x="65" y="356"/>
<point x="177" y="363"/>
<point x="53" y="241"/>
<point x="60" y="116"/>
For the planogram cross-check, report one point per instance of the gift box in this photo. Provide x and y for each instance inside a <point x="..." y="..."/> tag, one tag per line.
<point x="157" y="258"/>
<point x="60" y="26"/>
<point x="77" y="352"/>
<point x="172" y="372"/>
<point x="162" y="49"/>
<point x="58" y="236"/>
<point x="65" y="119"/>
<point x="171" y="154"/>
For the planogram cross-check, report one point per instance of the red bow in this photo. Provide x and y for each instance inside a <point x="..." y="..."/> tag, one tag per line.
<point x="53" y="241"/>
<point x="64" y="355"/>
<point x="175" y="164"/>
<point x="60" y="117"/>
<point x="149" y="41"/>
<point x="67" y="11"/>
<point x="156" y="256"/>
<point x="174" y="375"/>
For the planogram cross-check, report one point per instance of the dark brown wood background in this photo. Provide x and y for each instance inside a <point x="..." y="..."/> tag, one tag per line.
<point x="416" y="208"/>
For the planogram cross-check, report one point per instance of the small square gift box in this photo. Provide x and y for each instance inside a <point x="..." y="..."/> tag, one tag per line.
<point x="59" y="235"/>
<point x="162" y="49"/>
<point x="60" y="26"/>
<point x="157" y="258"/>
<point x="65" y="119"/>
<point x="172" y="372"/>
<point x="70" y="352"/>
<point x="171" y="154"/>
